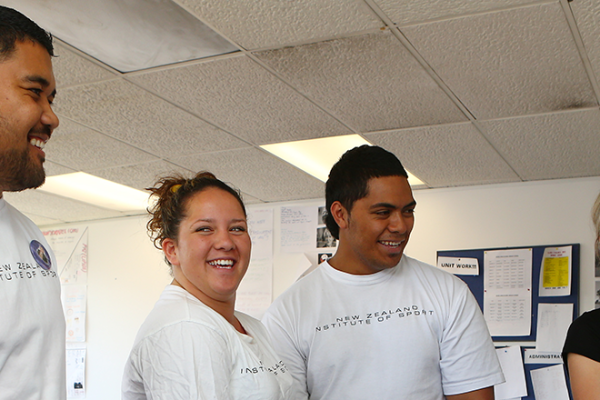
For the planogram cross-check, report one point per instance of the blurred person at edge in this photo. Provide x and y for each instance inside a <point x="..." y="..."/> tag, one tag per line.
<point x="32" y="331"/>
<point x="194" y="345"/>
<point x="581" y="351"/>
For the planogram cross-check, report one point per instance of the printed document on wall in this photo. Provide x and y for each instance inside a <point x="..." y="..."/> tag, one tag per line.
<point x="76" y="373"/>
<point x="298" y="229"/>
<point x="70" y="246"/>
<point x="507" y="291"/>
<point x="255" y="292"/>
<point x="555" y="275"/>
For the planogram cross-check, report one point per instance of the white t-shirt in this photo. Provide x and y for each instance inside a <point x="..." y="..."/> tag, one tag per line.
<point x="32" y="323"/>
<point x="186" y="350"/>
<point x="410" y="332"/>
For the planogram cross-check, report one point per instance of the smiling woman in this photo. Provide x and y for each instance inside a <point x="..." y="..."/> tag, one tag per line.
<point x="194" y="345"/>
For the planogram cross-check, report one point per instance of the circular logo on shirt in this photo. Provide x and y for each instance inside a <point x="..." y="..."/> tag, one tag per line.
<point x="40" y="255"/>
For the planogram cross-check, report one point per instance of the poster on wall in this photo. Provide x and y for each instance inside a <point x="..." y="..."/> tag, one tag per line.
<point x="555" y="275"/>
<point x="298" y="229"/>
<point x="70" y="246"/>
<point x="507" y="291"/>
<point x="256" y="290"/>
<point x="74" y="298"/>
<point x="76" y="373"/>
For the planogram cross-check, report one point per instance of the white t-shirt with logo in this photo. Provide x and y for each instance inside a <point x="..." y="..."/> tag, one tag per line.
<point x="409" y="332"/>
<point x="32" y="323"/>
<point x="186" y="350"/>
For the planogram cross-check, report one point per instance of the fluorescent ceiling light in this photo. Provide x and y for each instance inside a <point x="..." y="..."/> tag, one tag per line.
<point x="127" y="35"/>
<point x="97" y="191"/>
<point x="317" y="156"/>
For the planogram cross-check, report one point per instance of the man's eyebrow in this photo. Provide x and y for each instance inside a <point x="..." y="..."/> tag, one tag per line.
<point x="391" y="206"/>
<point x="42" y="81"/>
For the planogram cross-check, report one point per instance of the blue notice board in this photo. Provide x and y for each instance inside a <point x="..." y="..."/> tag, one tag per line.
<point x="475" y="282"/>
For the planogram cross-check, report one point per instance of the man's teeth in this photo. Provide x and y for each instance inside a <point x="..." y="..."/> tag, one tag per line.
<point x="37" y="143"/>
<point x="222" y="263"/>
<point x="393" y="244"/>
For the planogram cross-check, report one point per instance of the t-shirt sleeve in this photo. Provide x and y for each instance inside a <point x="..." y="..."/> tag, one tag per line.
<point x="583" y="336"/>
<point x="281" y="335"/>
<point x="468" y="357"/>
<point x="183" y="361"/>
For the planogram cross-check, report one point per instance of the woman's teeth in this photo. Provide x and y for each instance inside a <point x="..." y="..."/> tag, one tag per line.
<point x="222" y="263"/>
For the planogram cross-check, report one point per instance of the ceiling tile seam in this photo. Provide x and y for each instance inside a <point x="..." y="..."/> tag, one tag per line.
<point x="103" y="134"/>
<point x="541" y="114"/>
<point x="87" y="57"/>
<point x="180" y="107"/>
<point x="472" y="14"/>
<point x="60" y="165"/>
<point x="249" y="54"/>
<point x="184" y="64"/>
<point x="319" y="40"/>
<point x="299" y="92"/>
<point x="421" y="60"/>
<point x="485" y="137"/>
<point x="572" y="23"/>
<point x="412" y="128"/>
<point x="199" y="18"/>
<point x="291" y="44"/>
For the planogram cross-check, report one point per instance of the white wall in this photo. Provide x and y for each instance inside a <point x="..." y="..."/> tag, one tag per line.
<point x="126" y="274"/>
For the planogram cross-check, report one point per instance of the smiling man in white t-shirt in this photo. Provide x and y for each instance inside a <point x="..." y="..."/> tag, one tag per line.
<point x="373" y="323"/>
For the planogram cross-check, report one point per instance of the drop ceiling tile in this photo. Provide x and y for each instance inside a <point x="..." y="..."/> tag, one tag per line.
<point x="124" y="111"/>
<point x="72" y="69"/>
<point x="143" y="175"/>
<point x="257" y="173"/>
<point x="42" y="221"/>
<point x="549" y="146"/>
<point x="52" y="168"/>
<point x="371" y="82"/>
<point x="410" y="11"/>
<point x="35" y="202"/>
<point x="83" y="149"/>
<point x="274" y="23"/>
<point x="514" y="62"/>
<point x="587" y="15"/>
<point x="244" y="99"/>
<point x="446" y="155"/>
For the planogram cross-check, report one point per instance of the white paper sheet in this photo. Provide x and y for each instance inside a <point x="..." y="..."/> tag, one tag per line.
<point x="534" y="356"/>
<point x="254" y="295"/>
<point x="76" y="373"/>
<point x="555" y="273"/>
<point x="514" y="373"/>
<point x="552" y="325"/>
<point x="549" y="383"/>
<point x="70" y="246"/>
<point x="74" y="301"/>
<point x="298" y="229"/>
<point x="507" y="291"/>
<point x="459" y="266"/>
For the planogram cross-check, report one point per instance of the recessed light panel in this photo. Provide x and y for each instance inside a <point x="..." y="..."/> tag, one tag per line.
<point x="317" y="156"/>
<point x="127" y="35"/>
<point x="96" y="191"/>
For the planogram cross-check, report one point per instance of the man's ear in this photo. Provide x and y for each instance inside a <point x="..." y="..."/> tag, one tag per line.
<point x="170" y="249"/>
<point x="339" y="214"/>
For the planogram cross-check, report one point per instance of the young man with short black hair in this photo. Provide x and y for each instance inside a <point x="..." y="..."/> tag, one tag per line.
<point x="373" y="323"/>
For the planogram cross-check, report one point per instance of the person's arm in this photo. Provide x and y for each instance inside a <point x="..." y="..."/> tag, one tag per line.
<point x="584" y="374"/>
<point x="286" y="348"/>
<point x="481" y="394"/>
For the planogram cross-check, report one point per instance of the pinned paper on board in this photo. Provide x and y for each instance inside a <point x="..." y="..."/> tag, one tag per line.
<point x="555" y="275"/>
<point x="507" y="295"/>
<point x="459" y="266"/>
